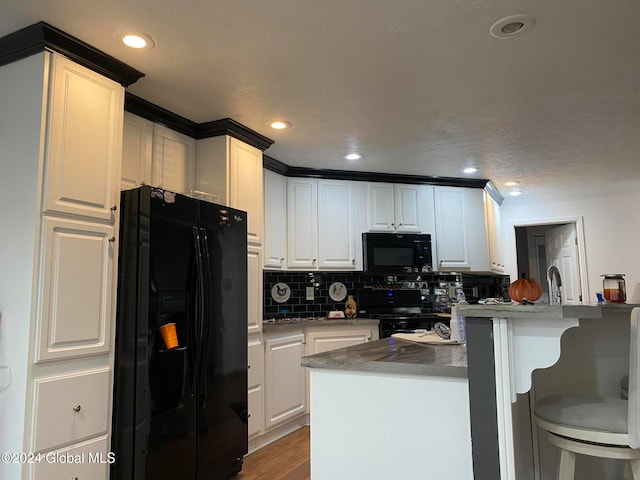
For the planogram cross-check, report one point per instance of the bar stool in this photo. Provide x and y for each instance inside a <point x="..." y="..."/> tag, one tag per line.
<point x="594" y="425"/>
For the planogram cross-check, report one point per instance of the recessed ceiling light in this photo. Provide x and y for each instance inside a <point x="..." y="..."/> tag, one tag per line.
<point x="511" y="26"/>
<point x="470" y="170"/>
<point x="515" y="193"/>
<point x="353" y="156"/>
<point x="511" y="183"/>
<point x="280" y="124"/>
<point x="138" y="40"/>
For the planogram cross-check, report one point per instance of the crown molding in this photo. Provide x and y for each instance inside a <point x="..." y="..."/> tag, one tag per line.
<point x="228" y="126"/>
<point x="42" y="36"/>
<point x="283" y="169"/>
<point x="143" y="108"/>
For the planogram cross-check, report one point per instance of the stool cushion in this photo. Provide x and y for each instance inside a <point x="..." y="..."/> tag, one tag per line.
<point x="590" y="412"/>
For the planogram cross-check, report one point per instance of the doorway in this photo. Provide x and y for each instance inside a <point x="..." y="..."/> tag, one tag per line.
<point x="559" y="242"/>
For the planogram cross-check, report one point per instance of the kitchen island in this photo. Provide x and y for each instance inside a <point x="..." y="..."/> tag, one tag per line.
<point x="390" y="409"/>
<point x="514" y="347"/>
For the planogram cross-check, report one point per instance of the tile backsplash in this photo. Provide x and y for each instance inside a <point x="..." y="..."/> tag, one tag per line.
<point x="437" y="287"/>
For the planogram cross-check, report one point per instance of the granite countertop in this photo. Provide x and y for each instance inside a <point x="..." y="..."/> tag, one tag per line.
<point x="395" y="356"/>
<point x="543" y="310"/>
<point x="298" y="323"/>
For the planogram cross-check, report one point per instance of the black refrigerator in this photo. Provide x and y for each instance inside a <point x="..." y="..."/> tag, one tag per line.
<point x="180" y="404"/>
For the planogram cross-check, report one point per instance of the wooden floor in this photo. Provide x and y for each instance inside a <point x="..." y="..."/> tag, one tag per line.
<point x="286" y="459"/>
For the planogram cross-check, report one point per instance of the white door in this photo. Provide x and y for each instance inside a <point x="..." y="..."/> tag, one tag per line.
<point x="562" y="251"/>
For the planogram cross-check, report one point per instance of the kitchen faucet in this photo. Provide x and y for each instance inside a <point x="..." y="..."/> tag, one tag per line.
<point x="555" y="282"/>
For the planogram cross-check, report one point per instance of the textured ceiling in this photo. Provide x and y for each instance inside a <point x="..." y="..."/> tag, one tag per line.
<point x="417" y="86"/>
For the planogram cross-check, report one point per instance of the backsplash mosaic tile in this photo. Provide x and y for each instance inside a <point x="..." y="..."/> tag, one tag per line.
<point x="437" y="289"/>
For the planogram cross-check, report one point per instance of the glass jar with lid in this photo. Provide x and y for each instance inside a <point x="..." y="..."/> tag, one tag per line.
<point x="614" y="288"/>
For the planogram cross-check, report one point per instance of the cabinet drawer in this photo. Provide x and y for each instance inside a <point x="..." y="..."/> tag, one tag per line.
<point x="84" y="461"/>
<point x="70" y="408"/>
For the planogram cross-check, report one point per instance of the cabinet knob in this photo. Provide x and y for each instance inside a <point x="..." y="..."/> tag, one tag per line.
<point x="113" y="208"/>
<point x="248" y="415"/>
<point x="77" y="408"/>
<point x="112" y="239"/>
<point x="248" y="366"/>
<point x="74" y="478"/>
<point x="313" y="261"/>
<point x="353" y="261"/>
<point x="282" y="260"/>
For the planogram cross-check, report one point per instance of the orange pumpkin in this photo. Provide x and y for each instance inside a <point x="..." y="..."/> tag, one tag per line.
<point x="525" y="289"/>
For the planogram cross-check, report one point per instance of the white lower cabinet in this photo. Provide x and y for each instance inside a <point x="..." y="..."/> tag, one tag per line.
<point x="70" y="408"/>
<point x="284" y="378"/>
<point x="255" y="385"/>
<point x="88" y="460"/>
<point x="323" y="339"/>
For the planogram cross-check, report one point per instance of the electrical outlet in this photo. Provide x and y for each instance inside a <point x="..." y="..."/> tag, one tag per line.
<point x="310" y="294"/>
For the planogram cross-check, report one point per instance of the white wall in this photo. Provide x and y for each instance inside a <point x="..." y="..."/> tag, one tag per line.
<point x="611" y="233"/>
<point x="21" y="106"/>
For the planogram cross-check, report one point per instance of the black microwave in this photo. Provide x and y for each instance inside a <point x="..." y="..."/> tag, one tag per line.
<point x="394" y="253"/>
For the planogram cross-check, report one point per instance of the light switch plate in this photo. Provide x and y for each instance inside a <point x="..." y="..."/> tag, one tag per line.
<point x="309" y="293"/>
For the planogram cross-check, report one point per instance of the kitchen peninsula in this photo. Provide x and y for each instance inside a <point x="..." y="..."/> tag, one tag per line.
<point x="391" y="408"/>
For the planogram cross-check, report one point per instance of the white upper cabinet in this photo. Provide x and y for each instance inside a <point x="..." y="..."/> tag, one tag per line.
<point x="336" y="236"/>
<point x="322" y="232"/>
<point x="155" y="155"/>
<point x="461" y="235"/>
<point x="399" y="207"/>
<point x="137" y="150"/>
<point x="84" y="142"/>
<point x="302" y="223"/>
<point x="494" y="234"/>
<point x="230" y="172"/>
<point x="173" y="156"/>
<point x="275" y="220"/>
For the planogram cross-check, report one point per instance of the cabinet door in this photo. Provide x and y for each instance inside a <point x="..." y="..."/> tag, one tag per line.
<point x="284" y="379"/>
<point x="275" y="220"/>
<point x="381" y="213"/>
<point x="255" y="381"/>
<point x="494" y="235"/>
<point x="137" y="148"/>
<point x="254" y="288"/>
<point x="330" y="339"/>
<point x="302" y="223"/>
<point x="76" y="289"/>
<point x="245" y="185"/>
<point x="336" y="237"/>
<point x="461" y="235"/>
<point x="451" y="236"/>
<point x="84" y="142"/>
<point x="173" y="160"/>
<point x="407" y="208"/>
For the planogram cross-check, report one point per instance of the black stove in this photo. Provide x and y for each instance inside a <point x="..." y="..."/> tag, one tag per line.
<point x="398" y="310"/>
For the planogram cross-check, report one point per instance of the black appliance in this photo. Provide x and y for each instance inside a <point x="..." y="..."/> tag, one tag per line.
<point x="180" y="413"/>
<point x="395" y="253"/>
<point x="398" y="310"/>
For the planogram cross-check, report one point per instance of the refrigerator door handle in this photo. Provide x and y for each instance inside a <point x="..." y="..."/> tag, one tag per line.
<point x="208" y="308"/>
<point x="199" y="310"/>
